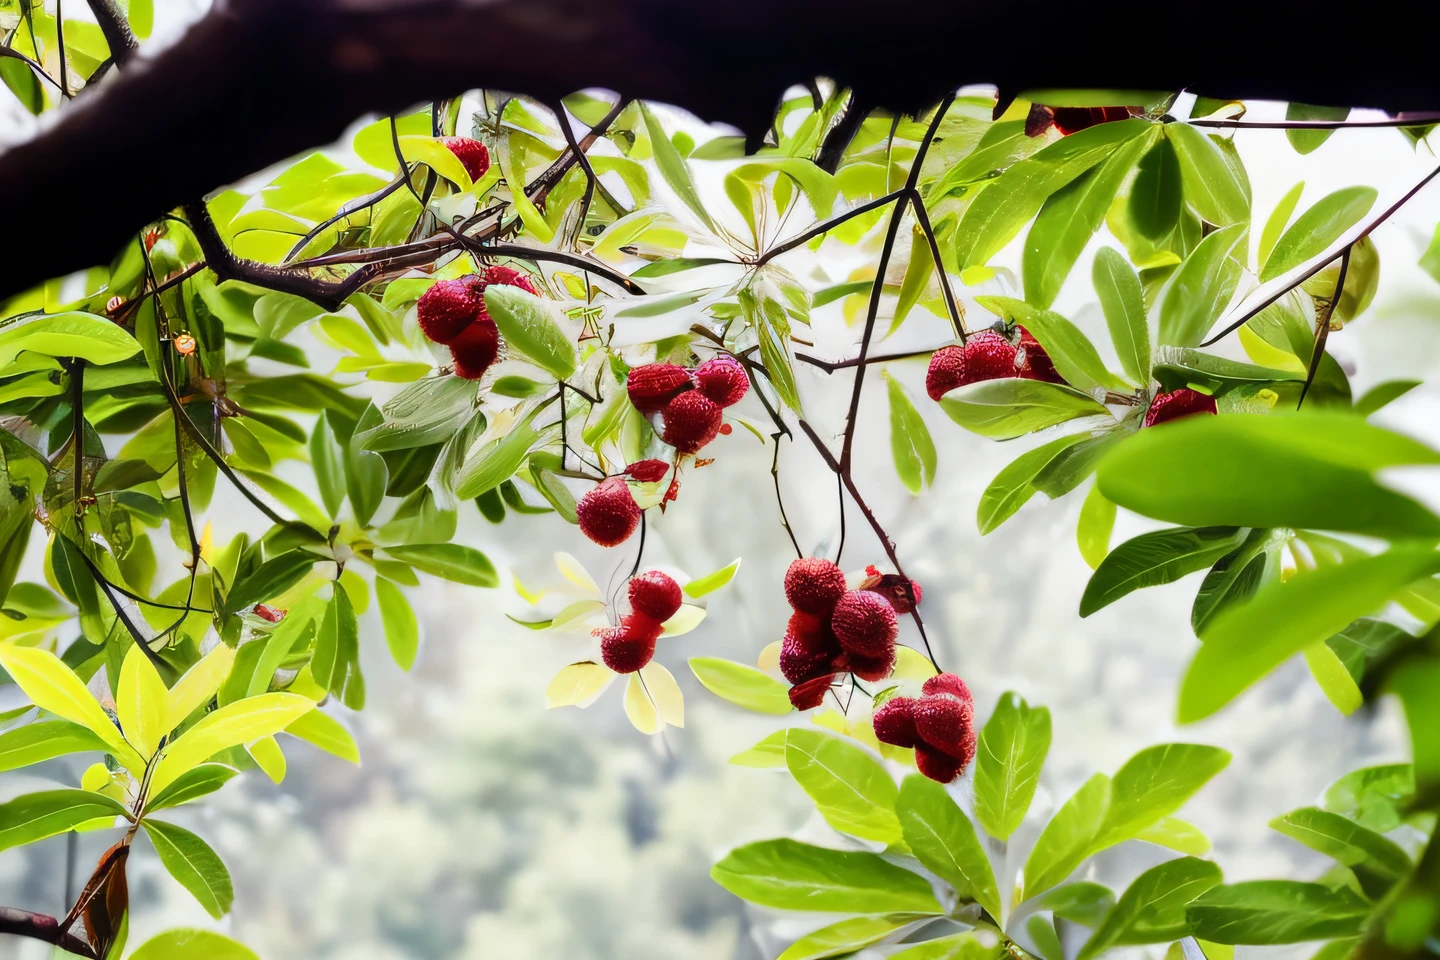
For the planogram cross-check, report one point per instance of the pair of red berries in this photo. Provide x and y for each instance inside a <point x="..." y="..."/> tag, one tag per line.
<point x="688" y="401"/>
<point x="608" y="514"/>
<point x="452" y="312"/>
<point x="989" y="355"/>
<point x="836" y="630"/>
<point x="654" y="598"/>
<point x="939" y="724"/>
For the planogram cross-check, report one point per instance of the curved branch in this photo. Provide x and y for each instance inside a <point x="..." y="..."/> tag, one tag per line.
<point x="45" y="928"/>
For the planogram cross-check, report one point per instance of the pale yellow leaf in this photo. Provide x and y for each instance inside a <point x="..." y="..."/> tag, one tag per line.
<point x="769" y="660"/>
<point x="571" y="570"/>
<point x="235" y="723"/>
<point x="140" y="702"/>
<point x="578" y="685"/>
<point x="577" y="615"/>
<point x="911" y="664"/>
<point x="198" y="685"/>
<point x="269" y="757"/>
<point x="53" y="686"/>
<point x="665" y="692"/>
<point x="640" y="708"/>
<point x="687" y="618"/>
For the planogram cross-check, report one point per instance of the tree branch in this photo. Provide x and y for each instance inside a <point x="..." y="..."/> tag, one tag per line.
<point x="115" y="27"/>
<point x="45" y="928"/>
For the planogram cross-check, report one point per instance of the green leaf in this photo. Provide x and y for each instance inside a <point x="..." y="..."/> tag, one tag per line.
<point x="140" y="702"/>
<point x="235" y="723"/>
<point x="1218" y="191"/>
<point x="713" y="581"/>
<point x="1430" y="259"/>
<point x="529" y="326"/>
<point x="324" y="731"/>
<point x="402" y="630"/>
<point x="73" y="334"/>
<point x="269" y="580"/>
<point x="327" y="459"/>
<point x="1276" y="911"/>
<point x="54" y="687"/>
<point x="1201" y="471"/>
<point x="943" y="839"/>
<point x="1278" y="221"/>
<point x="45" y="740"/>
<point x="1011" y="751"/>
<point x="186" y="944"/>
<point x="1374" y="797"/>
<point x="1357" y="847"/>
<point x="1074" y="356"/>
<point x="845" y="937"/>
<point x="1202" y="287"/>
<point x="1173" y="833"/>
<point x="336" y="661"/>
<point x="1093" y="531"/>
<point x="497" y="460"/>
<point x="850" y="788"/>
<point x="672" y="167"/>
<point x="1316" y="229"/>
<point x="769" y="752"/>
<point x="1009" y="408"/>
<point x="1152" y="908"/>
<point x="1151" y="559"/>
<point x="910" y="444"/>
<point x="35" y="816"/>
<point x="742" y="685"/>
<point x="1236" y="576"/>
<point x="1123" y="302"/>
<point x="957" y="946"/>
<point x="192" y="785"/>
<point x="1013" y="486"/>
<point x="1333" y="678"/>
<point x="194" y="865"/>
<point x="1155" y="197"/>
<point x="1308" y="141"/>
<point x="1383" y="394"/>
<point x="1245" y="643"/>
<point x="425" y="412"/>
<point x="789" y="875"/>
<point x="1154" y="784"/>
<point x="1081" y="902"/>
<point x="450" y="561"/>
<point x="1067" y="839"/>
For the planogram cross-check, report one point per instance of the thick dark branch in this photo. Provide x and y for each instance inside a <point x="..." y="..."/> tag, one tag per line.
<point x="115" y="27"/>
<point x="46" y="929"/>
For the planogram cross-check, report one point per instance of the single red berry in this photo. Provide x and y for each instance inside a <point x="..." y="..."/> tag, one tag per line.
<point x="448" y="307"/>
<point x="654" y="384"/>
<point x="266" y="612"/>
<point x="472" y="154"/>
<point x="689" y="421"/>
<point x="1070" y="120"/>
<point x="608" y="514"/>
<point x="726" y="429"/>
<point x="948" y="724"/>
<point x="510" y="277"/>
<point x="623" y="652"/>
<point x="989" y="355"/>
<point x="811" y="693"/>
<point x="808" y="648"/>
<point x="655" y="594"/>
<point x="475" y="348"/>
<point x="1035" y="364"/>
<point x="894" y="722"/>
<point x="946" y="372"/>
<point x="812" y="585"/>
<point x="938" y="766"/>
<point x="872" y="669"/>
<point x="648" y="471"/>
<point x="1178" y="403"/>
<point x="865" y="624"/>
<point x="722" y="379"/>
<point x="948" y="683"/>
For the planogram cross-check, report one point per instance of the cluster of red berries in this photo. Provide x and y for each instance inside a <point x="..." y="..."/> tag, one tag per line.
<point x="688" y="401"/>
<point x="939" y="724"/>
<point x="836" y="630"/>
<point x="989" y="355"/>
<point x="472" y="154"/>
<point x="654" y="598"/>
<point x="453" y="312"/>
<point x="1179" y="403"/>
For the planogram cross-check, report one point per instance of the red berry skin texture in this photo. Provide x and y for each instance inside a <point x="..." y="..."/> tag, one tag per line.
<point x="475" y="349"/>
<point x="510" y="277"/>
<point x="813" y="585"/>
<point x="722" y="379"/>
<point x="948" y="724"/>
<point x="808" y="648"/>
<point x="989" y="356"/>
<point x="940" y="767"/>
<point x="690" y="421"/>
<point x="1070" y="120"/>
<point x="624" y="653"/>
<point x="648" y="471"/>
<point x="653" y="385"/>
<point x="638" y="626"/>
<point x="894" y="722"/>
<point x="811" y="693"/>
<point x="1036" y="364"/>
<point x="472" y="154"/>
<point x="655" y="594"/>
<point x="948" y="683"/>
<point x="608" y="514"/>
<point x="946" y="371"/>
<point x="1178" y="403"/>
<point x="865" y="624"/>
<point x="872" y="669"/>
<point x="448" y="307"/>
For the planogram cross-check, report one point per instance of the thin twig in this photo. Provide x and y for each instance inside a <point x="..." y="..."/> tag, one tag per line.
<point x="1322" y="327"/>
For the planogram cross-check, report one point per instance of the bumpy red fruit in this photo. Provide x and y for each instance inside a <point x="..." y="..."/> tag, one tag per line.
<point x="894" y="722"/>
<point x="813" y="585"/>
<point x="808" y="648"/>
<point x="989" y="356"/>
<point x="946" y="371"/>
<point x="623" y="652"/>
<point x="510" y="277"/>
<point x="608" y="514"/>
<point x="655" y="595"/>
<point x="948" y="683"/>
<point x="475" y="348"/>
<point x="865" y="624"/>
<point x="873" y="669"/>
<point x="690" y="421"/>
<point x="947" y="723"/>
<point x="655" y="384"/>
<point x="1036" y="363"/>
<point x="940" y="767"/>
<point x="1070" y="120"/>
<point x="811" y="693"/>
<point x="448" y="307"/>
<point x="722" y="379"/>
<point x="648" y="471"/>
<point x="1178" y="403"/>
<point x="472" y="154"/>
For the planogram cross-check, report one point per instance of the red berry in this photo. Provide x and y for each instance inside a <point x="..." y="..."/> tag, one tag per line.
<point x="608" y="514"/>
<point x="938" y="766"/>
<point x="871" y="668"/>
<point x="948" y="683"/>
<point x="948" y="724"/>
<point x="808" y="648"/>
<point x="725" y="429"/>
<point x="1035" y="363"/>
<point x="1070" y="120"/>
<point x="653" y="385"/>
<point x="865" y="624"/>
<point x="812" y="585"/>
<point x="648" y="471"/>
<point x="448" y="307"/>
<point x="690" y="421"/>
<point x="946" y="372"/>
<point x="1178" y="403"/>
<point x="266" y="612"/>
<point x="655" y="595"/>
<point x="903" y="595"/>
<point x="894" y="722"/>
<point x="472" y="154"/>
<point x="722" y="379"/>
<point x="811" y="693"/>
<point x="510" y="277"/>
<point x="639" y="626"/>
<point x="475" y="348"/>
<point x="623" y="652"/>
<point x="987" y="355"/>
